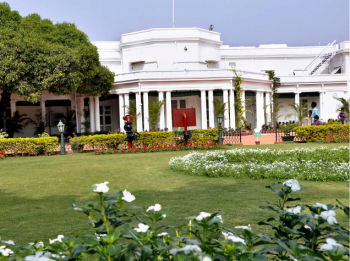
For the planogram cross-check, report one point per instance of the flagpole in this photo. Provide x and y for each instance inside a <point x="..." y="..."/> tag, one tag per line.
<point x="173" y="13"/>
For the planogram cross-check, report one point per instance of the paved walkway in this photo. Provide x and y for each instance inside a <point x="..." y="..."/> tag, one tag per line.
<point x="250" y="139"/>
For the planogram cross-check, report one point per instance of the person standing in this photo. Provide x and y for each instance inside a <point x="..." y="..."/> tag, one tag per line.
<point x="314" y="111"/>
<point x="342" y="115"/>
<point x="309" y="118"/>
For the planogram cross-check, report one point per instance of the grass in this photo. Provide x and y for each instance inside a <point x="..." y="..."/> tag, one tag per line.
<point x="34" y="191"/>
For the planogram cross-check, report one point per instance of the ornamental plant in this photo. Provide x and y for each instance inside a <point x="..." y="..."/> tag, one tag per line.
<point x="319" y="164"/>
<point x="2" y="155"/>
<point x="122" y="231"/>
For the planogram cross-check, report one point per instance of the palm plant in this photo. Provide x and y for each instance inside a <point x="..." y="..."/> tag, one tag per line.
<point x="17" y="123"/>
<point x="301" y="111"/>
<point x="154" y="111"/>
<point x="345" y="104"/>
<point x="220" y="108"/>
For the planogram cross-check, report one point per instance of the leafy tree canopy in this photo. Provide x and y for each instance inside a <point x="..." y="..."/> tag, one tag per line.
<point x="37" y="55"/>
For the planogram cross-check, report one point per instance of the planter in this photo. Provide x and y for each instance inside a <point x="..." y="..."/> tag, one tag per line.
<point x="288" y="138"/>
<point x="257" y="142"/>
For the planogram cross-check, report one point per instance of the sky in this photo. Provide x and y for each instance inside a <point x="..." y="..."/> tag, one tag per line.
<point x="240" y="22"/>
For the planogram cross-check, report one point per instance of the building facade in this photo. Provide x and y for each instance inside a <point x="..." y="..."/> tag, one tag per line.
<point x="191" y="68"/>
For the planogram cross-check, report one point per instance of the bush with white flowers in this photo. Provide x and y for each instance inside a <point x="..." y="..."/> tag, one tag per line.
<point x="321" y="164"/>
<point x="121" y="231"/>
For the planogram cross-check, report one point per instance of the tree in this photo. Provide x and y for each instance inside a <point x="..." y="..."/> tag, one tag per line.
<point x="344" y="104"/>
<point x="301" y="111"/>
<point x="154" y="111"/>
<point x="37" y="55"/>
<point x="276" y="83"/>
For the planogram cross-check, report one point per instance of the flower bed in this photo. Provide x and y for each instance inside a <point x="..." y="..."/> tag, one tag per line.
<point x="319" y="164"/>
<point x="120" y="231"/>
<point x="159" y="148"/>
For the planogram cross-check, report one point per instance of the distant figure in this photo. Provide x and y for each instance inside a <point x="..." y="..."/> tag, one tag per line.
<point x="316" y="120"/>
<point x="342" y="115"/>
<point x="309" y="118"/>
<point x="314" y="111"/>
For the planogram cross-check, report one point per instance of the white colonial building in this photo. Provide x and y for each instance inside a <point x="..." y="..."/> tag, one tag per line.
<point x="190" y="68"/>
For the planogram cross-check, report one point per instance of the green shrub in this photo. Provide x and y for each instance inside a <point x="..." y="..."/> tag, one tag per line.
<point x="145" y="139"/>
<point x="96" y="141"/>
<point x="317" y="132"/>
<point x="29" y="146"/>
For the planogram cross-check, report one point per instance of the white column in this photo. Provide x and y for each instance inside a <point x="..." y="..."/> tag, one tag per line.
<point x="268" y="107"/>
<point x="259" y="110"/>
<point x="126" y="103"/>
<point x="97" y="114"/>
<point x="92" y="114"/>
<point x="121" y="112"/>
<point x="226" y="113"/>
<point x="211" y="109"/>
<point x="81" y="115"/>
<point x="204" y="109"/>
<point x="43" y="110"/>
<point x="13" y="107"/>
<point x="161" y="114"/>
<point x="297" y="102"/>
<point x="169" y="120"/>
<point x="243" y="103"/>
<point x="145" y="112"/>
<point x="138" y="112"/>
<point x="232" y="110"/>
<point x="322" y="105"/>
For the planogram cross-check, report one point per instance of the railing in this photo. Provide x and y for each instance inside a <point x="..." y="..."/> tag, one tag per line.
<point x="238" y="137"/>
<point x="321" y="58"/>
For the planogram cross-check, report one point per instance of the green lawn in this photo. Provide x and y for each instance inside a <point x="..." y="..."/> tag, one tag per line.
<point x="34" y="191"/>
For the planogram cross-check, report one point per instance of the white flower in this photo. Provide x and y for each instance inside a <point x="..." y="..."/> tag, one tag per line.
<point x="217" y="219"/>
<point x="244" y="227"/>
<point x="5" y="251"/>
<point x="39" y="244"/>
<point x="233" y="238"/>
<point x="58" y="239"/>
<point x="127" y="196"/>
<point x="329" y="215"/>
<point x="142" y="228"/>
<point x="295" y="210"/>
<point x="155" y="208"/>
<point x="319" y="205"/>
<point x="164" y="216"/>
<point x="331" y="243"/>
<point x="186" y="250"/>
<point x="163" y="234"/>
<point x="206" y="258"/>
<point x="293" y="184"/>
<point x="202" y="215"/>
<point x="39" y="256"/>
<point x="9" y="242"/>
<point x="101" y="188"/>
<point x="307" y="227"/>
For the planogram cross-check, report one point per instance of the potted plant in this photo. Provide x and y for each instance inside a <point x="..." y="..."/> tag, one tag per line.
<point x="286" y="129"/>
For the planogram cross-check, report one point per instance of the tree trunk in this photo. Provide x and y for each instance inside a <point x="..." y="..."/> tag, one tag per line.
<point x="4" y="104"/>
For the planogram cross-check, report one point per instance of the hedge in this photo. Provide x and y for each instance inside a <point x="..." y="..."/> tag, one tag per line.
<point x="317" y="132"/>
<point x="29" y="146"/>
<point x="144" y="139"/>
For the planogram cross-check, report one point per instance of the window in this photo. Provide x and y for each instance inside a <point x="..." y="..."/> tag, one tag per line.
<point x="137" y="66"/>
<point x="181" y="104"/>
<point x="212" y="64"/>
<point x="106" y="118"/>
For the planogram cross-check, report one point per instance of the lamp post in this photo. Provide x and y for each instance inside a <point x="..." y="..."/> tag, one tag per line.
<point x="220" y="117"/>
<point x="60" y="127"/>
